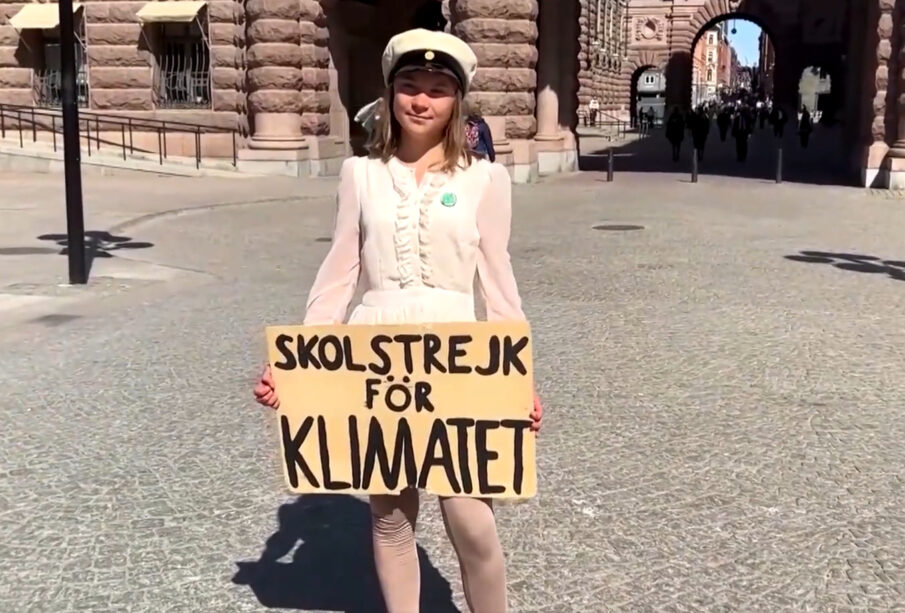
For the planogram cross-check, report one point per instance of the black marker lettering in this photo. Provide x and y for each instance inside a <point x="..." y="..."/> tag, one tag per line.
<point x="329" y="483"/>
<point x="398" y="397"/>
<point x="518" y="468"/>
<point x="355" y="452"/>
<point x="288" y="362"/>
<point x="350" y="361"/>
<point x="438" y="436"/>
<point x="336" y="362"/>
<point x="462" y="424"/>
<point x="493" y="364"/>
<point x="407" y="340"/>
<point x="292" y="454"/>
<point x="370" y="392"/>
<point x="485" y="456"/>
<point x="422" y="402"/>
<point x="432" y="345"/>
<point x="379" y="351"/>
<point x="305" y="350"/>
<point x="511" y="358"/>
<point x="456" y="352"/>
<point x="403" y="454"/>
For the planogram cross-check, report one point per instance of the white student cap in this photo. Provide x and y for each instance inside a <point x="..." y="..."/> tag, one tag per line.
<point x="428" y="50"/>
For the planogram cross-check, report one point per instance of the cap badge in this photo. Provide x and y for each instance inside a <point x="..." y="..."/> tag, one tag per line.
<point x="428" y="55"/>
<point x="448" y="199"/>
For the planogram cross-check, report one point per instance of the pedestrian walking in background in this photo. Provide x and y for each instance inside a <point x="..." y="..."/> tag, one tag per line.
<point x="742" y="126"/>
<point x="700" y="130"/>
<point x="805" y="127"/>
<point x="723" y="122"/>
<point x="480" y="140"/>
<point x="778" y="119"/>
<point x="593" y="110"/>
<point x="675" y="133"/>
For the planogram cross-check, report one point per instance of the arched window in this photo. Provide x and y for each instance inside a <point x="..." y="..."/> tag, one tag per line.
<point x="709" y="74"/>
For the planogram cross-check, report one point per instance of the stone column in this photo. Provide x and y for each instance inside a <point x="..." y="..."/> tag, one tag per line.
<point x="274" y="77"/>
<point x="548" y="72"/>
<point x="877" y="162"/>
<point x="569" y="66"/>
<point x="585" y="78"/>
<point x="898" y="148"/>
<point x="503" y="35"/>
<point x="315" y="72"/>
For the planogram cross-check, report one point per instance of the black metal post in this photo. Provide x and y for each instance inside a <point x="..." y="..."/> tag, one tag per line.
<point x="694" y="165"/>
<point x="75" y="217"/>
<point x="779" y="163"/>
<point x="609" y="166"/>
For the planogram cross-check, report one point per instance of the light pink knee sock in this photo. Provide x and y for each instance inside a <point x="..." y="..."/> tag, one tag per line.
<point x="395" y="554"/>
<point x="471" y="526"/>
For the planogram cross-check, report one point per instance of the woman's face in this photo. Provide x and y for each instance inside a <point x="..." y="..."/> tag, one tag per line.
<point x="423" y="102"/>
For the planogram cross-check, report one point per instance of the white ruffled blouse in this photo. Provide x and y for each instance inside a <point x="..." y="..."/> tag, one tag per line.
<point x="417" y="247"/>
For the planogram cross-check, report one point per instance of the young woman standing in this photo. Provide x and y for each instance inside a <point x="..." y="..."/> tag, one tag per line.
<point x="416" y="219"/>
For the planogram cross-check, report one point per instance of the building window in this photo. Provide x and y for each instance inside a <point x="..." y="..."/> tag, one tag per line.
<point x="711" y="39"/>
<point x="48" y="78"/>
<point x="709" y="75"/>
<point x="711" y="56"/>
<point x="182" y="71"/>
<point x="650" y="79"/>
<point x="38" y="25"/>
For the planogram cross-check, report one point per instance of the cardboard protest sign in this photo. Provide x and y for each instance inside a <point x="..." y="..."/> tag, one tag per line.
<point x="375" y="409"/>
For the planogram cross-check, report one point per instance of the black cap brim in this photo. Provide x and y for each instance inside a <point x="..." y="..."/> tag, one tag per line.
<point x="431" y="61"/>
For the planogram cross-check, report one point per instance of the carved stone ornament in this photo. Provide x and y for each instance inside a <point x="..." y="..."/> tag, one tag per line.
<point x="648" y="28"/>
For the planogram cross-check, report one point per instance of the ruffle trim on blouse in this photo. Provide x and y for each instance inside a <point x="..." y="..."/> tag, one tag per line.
<point x="414" y="268"/>
<point x="437" y="181"/>
<point x="404" y="184"/>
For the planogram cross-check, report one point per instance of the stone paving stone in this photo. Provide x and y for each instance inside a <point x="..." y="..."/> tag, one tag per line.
<point x="724" y="427"/>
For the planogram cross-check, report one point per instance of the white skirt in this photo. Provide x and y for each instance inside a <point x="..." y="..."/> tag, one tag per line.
<point x="415" y="305"/>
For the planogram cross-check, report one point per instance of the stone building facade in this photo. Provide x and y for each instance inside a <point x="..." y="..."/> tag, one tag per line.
<point x="765" y="65"/>
<point x="289" y="74"/>
<point x="859" y="45"/>
<point x="604" y="41"/>
<point x="710" y="65"/>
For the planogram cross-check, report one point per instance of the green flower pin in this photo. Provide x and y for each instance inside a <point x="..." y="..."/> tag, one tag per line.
<point x="448" y="199"/>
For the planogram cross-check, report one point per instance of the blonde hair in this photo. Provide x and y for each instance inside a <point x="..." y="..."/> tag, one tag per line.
<point x="384" y="141"/>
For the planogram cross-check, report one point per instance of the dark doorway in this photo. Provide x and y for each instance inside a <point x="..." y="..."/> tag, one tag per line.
<point x="359" y="32"/>
<point x="648" y="93"/>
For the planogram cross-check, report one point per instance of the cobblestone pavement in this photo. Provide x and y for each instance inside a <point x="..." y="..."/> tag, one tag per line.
<point x="726" y="408"/>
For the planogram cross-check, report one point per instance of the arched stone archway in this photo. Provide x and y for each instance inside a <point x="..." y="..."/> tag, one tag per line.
<point x="637" y="65"/>
<point x="687" y="35"/>
<point x="645" y="58"/>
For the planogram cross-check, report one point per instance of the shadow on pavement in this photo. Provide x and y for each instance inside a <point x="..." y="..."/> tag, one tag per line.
<point x="821" y="163"/>
<point x="331" y="568"/>
<point x="853" y="262"/>
<point x="98" y="244"/>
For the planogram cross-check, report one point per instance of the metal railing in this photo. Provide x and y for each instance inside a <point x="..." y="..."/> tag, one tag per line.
<point x="24" y="119"/>
<point x="604" y="120"/>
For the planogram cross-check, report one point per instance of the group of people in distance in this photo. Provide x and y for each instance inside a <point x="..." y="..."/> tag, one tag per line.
<point x="741" y="118"/>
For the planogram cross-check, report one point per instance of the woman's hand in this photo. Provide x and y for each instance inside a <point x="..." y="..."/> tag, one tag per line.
<point x="265" y="393"/>
<point x="537" y="414"/>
